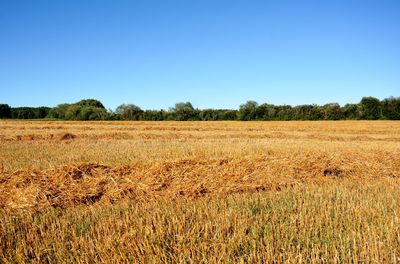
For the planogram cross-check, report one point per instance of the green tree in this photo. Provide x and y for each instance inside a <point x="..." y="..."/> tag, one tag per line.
<point x="308" y="112"/>
<point x="266" y="112"/>
<point x="284" y="112"/>
<point x="59" y="112"/>
<point x="129" y="112"/>
<point x="92" y="113"/>
<point x="5" y="111"/>
<point x="208" y="114"/>
<point x="90" y="102"/>
<point x="22" y="113"/>
<point x="88" y="109"/>
<point x="332" y="111"/>
<point x="184" y="111"/>
<point x="153" y="115"/>
<point x="351" y="111"/>
<point x="248" y="111"/>
<point x="73" y="112"/>
<point x="42" y="111"/>
<point x="391" y="108"/>
<point x="371" y="108"/>
<point x="227" y="114"/>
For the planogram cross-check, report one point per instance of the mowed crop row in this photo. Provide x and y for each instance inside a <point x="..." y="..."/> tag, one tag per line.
<point x="68" y="163"/>
<point x="44" y="145"/>
<point x="245" y="191"/>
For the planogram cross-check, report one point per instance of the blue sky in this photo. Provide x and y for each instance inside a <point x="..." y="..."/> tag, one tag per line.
<point x="215" y="54"/>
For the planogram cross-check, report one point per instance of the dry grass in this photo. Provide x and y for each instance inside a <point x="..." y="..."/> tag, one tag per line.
<point x="199" y="191"/>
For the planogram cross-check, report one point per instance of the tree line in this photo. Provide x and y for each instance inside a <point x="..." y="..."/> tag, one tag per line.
<point x="369" y="108"/>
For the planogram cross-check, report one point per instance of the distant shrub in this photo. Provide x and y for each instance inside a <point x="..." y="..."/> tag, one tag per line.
<point x="88" y="109"/>
<point x="5" y="111"/>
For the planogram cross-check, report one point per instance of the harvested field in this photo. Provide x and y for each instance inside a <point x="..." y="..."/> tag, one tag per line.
<point x="199" y="191"/>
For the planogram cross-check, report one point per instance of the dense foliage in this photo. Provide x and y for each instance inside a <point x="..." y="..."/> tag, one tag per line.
<point x="5" y="111"/>
<point x="88" y="109"/>
<point x="369" y="108"/>
<point x="23" y="112"/>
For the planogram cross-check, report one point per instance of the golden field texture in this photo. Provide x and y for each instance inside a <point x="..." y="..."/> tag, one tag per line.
<point x="200" y="192"/>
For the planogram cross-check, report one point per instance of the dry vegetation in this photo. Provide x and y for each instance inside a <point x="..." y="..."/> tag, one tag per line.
<point x="199" y="191"/>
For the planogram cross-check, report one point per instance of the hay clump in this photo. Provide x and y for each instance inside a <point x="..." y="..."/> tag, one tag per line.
<point x="67" y="136"/>
<point x="332" y="172"/>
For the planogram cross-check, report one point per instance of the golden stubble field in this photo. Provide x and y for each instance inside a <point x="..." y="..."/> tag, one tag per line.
<point x="199" y="191"/>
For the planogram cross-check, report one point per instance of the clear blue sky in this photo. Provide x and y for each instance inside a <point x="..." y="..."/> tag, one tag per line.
<point x="216" y="54"/>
